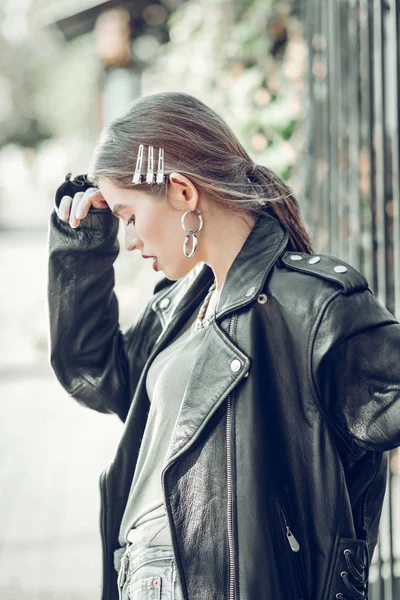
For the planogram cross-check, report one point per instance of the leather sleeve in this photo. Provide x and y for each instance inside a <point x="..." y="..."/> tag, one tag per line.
<point x="356" y="372"/>
<point x="93" y="360"/>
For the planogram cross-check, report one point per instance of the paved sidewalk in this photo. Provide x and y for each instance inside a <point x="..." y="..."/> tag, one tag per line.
<point x="52" y="448"/>
<point x="52" y="452"/>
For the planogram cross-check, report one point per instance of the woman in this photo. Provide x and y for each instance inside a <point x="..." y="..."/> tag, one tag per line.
<point x="259" y="387"/>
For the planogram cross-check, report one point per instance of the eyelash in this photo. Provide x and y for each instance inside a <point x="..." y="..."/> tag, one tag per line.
<point x="131" y="220"/>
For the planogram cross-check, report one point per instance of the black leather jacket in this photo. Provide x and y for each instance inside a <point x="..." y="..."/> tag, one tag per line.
<point x="276" y="473"/>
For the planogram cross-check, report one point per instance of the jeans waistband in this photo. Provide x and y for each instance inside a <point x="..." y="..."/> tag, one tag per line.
<point x="137" y="555"/>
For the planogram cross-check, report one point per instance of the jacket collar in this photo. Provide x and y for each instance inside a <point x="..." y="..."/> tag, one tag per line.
<point x="252" y="265"/>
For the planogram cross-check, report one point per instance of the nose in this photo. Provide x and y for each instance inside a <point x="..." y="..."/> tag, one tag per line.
<point x="131" y="240"/>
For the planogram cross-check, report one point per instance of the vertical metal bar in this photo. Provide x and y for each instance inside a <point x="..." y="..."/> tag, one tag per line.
<point x="323" y="159"/>
<point x="332" y="122"/>
<point x="380" y="152"/>
<point x="393" y="48"/>
<point x="319" y="218"/>
<point x="366" y="182"/>
<point x="390" y="508"/>
<point x="396" y="158"/>
<point x="382" y="594"/>
<point x="391" y="198"/>
<point x="385" y="542"/>
<point x="342" y="43"/>
<point x="310" y="147"/>
<point x="372" y="183"/>
<point x="389" y="78"/>
<point x="354" y="104"/>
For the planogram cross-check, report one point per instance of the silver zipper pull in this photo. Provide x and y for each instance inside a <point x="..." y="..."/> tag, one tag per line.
<point x="294" y="544"/>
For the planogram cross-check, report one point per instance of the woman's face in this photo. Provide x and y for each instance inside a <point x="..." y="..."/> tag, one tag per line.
<point x="153" y="226"/>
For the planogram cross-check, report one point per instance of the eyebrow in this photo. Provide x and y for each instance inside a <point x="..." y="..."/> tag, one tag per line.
<point x="118" y="207"/>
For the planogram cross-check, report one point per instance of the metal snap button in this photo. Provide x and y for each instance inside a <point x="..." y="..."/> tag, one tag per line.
<point x="262" y="298"/>
<point x="165" y="302"/>
<point x="250" y="291"/>
<point x="340" y="269"/>
<point x="236" y="365"/>
<point x="156" y="581"/>
<point x="296" y="257"/>
<point x="314" y="260"/>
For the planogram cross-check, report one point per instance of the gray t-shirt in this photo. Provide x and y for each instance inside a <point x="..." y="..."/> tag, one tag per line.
<point x="144" y="521"/>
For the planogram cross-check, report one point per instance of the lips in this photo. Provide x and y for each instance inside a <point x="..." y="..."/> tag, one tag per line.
<point x="155" y="266"/>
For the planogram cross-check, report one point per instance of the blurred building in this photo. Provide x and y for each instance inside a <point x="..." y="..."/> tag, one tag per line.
<point x="128" y="35"/>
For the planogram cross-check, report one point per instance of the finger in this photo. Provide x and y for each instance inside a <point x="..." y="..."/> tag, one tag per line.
<point x="91" y="197"/>
<point x="98" y="200"/>
<point x="63" y="209"/>
<point x="73" y="221"/>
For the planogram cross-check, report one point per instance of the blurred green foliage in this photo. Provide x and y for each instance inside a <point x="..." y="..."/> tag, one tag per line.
<point x="245" y="58"/>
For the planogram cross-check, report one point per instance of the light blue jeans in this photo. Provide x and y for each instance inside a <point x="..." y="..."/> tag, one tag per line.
<point x="148" y="573"/>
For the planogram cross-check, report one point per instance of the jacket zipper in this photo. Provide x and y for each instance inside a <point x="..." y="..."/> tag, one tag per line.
<point x="294" y="547"/>
<point x="229" y="488"/>
<point x="293" y="543"/>
<point x="102" y="533"/>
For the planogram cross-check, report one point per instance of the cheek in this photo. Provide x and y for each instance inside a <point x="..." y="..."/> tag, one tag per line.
<point x="169" y="235"/>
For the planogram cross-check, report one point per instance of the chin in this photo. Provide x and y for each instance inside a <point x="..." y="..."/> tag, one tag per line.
<point x="178" y="272"/>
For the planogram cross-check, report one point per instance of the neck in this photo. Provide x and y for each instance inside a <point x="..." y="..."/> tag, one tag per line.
<point x="221" y="239"/>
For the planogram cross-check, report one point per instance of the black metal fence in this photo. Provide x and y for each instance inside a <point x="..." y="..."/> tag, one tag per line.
<point x="352" y="190"/>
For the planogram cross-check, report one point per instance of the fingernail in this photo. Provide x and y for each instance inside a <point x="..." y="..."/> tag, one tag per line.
<point x="74" y="222"/>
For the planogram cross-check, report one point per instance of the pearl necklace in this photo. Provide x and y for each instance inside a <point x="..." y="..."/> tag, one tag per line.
<point x="200" y="322"/>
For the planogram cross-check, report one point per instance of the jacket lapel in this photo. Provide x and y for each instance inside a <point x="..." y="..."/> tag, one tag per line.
<point x="216" y="372"/>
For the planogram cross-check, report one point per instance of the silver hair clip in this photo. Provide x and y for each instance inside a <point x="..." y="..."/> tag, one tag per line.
<point x="138" y="177"/>
<point x="150" y="165"/>
<point x="160" y="168"/>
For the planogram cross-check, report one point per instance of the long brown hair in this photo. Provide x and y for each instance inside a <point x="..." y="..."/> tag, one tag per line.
<point x="200" y="145"/>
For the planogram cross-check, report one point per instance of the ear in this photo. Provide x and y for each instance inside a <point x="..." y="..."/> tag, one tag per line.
<point x="183" y="194"/>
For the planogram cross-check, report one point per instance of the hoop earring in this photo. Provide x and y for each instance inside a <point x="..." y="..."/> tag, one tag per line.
<point x="191" y="232"/>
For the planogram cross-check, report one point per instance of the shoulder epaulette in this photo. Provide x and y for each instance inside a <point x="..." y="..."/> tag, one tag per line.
<point x="328" y="267"/>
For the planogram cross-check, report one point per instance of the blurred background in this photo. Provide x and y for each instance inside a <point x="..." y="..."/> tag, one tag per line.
<point x="312" y="90"/>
